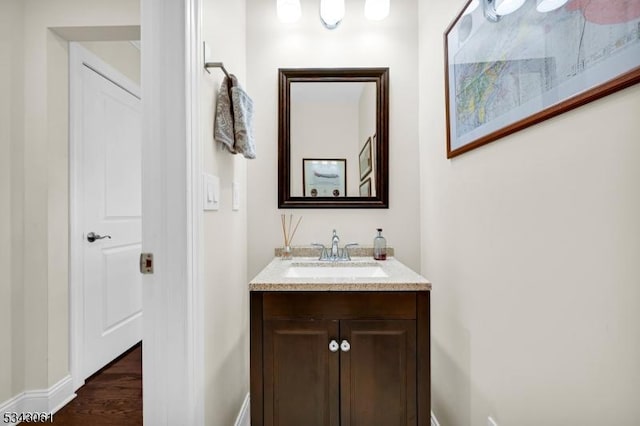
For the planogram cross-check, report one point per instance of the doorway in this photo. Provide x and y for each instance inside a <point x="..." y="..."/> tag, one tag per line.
<point x="105" y="175"/>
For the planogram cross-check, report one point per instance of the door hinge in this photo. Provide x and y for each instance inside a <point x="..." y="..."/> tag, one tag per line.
<point x="146" y="263"/>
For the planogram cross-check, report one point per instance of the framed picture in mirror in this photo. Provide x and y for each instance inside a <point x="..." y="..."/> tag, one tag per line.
<point x="324" y="177"/>
<point x="366" y="165"/>
<point x="365" y="188"/>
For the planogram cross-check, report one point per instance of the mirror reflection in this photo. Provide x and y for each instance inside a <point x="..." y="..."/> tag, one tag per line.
<point x="333" y="139"/>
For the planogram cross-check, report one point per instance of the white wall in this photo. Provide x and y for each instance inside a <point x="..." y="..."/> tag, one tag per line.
<point x="356" y="43"/>
<point x="39" y="185"/>
<point x="532" y="244"/>
<point x="225" y="231"/>
<point x="11" y="69"/>
<point x="53" y="360"/>
<point x="5" y="196"/>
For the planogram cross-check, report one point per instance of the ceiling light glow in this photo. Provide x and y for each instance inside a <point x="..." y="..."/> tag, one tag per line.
<point x="505" y="7"/>
<point x="544" y="6"/>
<point x="331" y="12"/>
<point x="376" y="10"/>
<point x="289" y="11"/>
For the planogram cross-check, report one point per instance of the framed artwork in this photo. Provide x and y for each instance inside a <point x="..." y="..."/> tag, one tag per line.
<point x="324" y="177"/>
<point x="505" y="72"/>
<point x="365" y="188"/>
<point x="365" y="160"/>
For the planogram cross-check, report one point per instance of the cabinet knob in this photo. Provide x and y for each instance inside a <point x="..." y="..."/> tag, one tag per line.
<point x="345" y="346"/>
<point x="333" y="346"/>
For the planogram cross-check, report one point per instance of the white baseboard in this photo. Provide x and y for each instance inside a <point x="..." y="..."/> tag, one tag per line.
<point x="244" y="418"/>
<point x="434" y="421"/>
<point x="40" y="401"/>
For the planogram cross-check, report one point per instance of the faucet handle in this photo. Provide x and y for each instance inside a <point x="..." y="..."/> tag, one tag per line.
<point x="345" y="251"/>
<point x="323" y="251"/>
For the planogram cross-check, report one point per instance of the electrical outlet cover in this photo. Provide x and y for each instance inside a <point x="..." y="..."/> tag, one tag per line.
<point x="235" y="189"/>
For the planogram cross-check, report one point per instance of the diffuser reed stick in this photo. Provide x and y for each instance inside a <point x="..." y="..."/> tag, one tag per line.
<point x="287" y="233"/>
<point x="284" y="230"/>
<point x="296" y="228"/>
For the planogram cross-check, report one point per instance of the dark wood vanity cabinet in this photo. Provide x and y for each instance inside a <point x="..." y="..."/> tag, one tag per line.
<point x="340" y="358"/>
<point x="300" y="375"/>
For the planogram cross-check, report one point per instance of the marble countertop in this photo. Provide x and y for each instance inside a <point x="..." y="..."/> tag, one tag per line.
<point x="398" y="277"/>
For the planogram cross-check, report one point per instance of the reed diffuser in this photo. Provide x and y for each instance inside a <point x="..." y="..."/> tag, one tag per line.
<point x="288" y="235"/>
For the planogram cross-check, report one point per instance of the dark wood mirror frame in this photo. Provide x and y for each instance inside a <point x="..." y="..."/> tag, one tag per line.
<point x="380" y="76"/>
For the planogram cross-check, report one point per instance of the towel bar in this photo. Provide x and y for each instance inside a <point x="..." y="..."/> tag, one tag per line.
<point x="220" y="65"/>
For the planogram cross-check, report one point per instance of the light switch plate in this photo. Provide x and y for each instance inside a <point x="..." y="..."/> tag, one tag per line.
<point x="211" y="195"/>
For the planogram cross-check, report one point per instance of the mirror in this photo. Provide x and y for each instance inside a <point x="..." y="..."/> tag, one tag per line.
<point x="333" y="141"/>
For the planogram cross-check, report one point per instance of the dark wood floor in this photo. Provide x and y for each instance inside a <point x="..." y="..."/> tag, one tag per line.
<point x="111" y="397"/>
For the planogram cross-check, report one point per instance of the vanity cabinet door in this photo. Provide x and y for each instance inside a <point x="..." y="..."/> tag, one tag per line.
<point x="301" y="373"/>
<point x="378" y="373"/>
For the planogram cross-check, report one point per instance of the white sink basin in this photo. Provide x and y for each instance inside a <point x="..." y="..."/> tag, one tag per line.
<point x="335" y="272"/>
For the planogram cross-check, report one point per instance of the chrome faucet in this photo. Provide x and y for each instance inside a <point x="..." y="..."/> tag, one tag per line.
<point x="335" y="254"/>
<point x="334" y="245"/>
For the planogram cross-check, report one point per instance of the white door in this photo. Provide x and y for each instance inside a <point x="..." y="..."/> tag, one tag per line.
<point x="111" y="209"/>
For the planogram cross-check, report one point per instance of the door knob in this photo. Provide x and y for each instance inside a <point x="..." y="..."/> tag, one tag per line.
<point x="345" y="346"/>
<point x="333" y="346"/>
<point x="92" y="236"/>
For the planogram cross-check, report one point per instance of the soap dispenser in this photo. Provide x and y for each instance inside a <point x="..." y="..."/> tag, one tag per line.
<point x="379" y="246"/>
